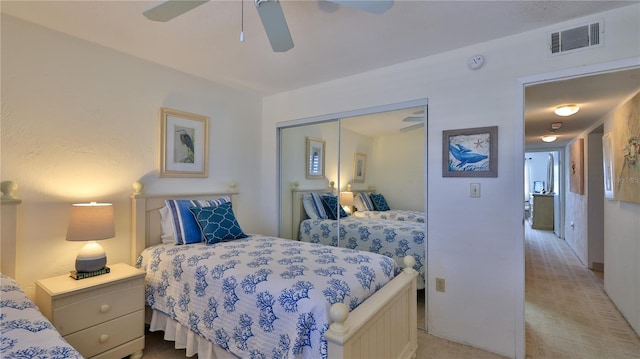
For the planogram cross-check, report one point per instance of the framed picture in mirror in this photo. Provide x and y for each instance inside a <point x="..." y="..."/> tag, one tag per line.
<point x="314" y="158"/>
<point x="359" y="167"/>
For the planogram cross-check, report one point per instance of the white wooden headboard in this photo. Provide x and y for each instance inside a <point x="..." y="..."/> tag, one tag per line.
<point x="9" y="225"/>
<point x="145" y="216"/>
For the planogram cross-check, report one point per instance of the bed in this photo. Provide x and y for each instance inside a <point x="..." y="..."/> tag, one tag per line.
<point x="366" y="208"/>
<point x="395" y="239"/>
<point x="25" y="332"/>
<point x="384" y="325"/>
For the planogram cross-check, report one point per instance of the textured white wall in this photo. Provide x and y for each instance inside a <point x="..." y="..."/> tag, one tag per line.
<point x="576" y="210"/>
<point x="622" y="248"/>
<point x="350" y="143"/>
<point x="80" y="122"/>
<point x="475" y="244"/>
<point x="594" y="181"/>
<point x="399" y="169"/>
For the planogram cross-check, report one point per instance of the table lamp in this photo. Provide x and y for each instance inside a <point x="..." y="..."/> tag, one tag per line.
<point x="346" y="200"/>
<point x="91" y="222"/>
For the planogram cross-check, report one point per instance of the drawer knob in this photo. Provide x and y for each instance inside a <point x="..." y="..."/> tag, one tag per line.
<point x="104" y="338"/>
<point x="105" y="308"/>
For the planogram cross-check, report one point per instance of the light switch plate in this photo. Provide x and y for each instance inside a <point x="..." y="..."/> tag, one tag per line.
<point x="475" y="190"/>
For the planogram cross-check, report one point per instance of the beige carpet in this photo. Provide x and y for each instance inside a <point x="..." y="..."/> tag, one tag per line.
<point x="428" y="347"/>
<point x="568" y="314"/>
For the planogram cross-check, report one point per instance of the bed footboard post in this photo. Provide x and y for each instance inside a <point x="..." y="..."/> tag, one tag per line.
<point x="338" y="315"/>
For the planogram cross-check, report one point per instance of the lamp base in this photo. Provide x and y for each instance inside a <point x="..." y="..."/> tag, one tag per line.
<point x="91" y="258"/>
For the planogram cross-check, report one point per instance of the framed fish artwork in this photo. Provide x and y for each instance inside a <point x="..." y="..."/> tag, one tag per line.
<point x="470" y="152"/>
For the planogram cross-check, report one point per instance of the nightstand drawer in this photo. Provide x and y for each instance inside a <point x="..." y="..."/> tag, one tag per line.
<point x="98" y="339"/>
<point x="97" y="309"/>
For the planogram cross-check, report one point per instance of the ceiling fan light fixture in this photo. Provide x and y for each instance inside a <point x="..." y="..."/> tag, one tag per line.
<point x="549" y="138"/>
<point x="566" y="110"/>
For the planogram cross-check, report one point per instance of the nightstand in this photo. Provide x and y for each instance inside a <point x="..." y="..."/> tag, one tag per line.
<point x="102" y="317"/>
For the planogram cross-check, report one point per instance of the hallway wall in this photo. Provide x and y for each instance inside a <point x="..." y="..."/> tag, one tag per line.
<point x="622" y="243"/>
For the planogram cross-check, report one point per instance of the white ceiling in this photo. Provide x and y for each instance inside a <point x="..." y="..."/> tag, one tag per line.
<point x="331" y="41"/>
<point x="596" y="95"/>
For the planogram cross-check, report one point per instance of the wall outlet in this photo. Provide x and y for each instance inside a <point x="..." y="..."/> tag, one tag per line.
<point x="440" y="285"/>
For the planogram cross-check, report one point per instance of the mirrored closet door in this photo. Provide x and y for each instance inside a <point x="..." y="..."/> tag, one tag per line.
<point x="372" y="165"/>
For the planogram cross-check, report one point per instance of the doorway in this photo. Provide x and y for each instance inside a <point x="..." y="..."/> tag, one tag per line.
<point x="592" y="133"/>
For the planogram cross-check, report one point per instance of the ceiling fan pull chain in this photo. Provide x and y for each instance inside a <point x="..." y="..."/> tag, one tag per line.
<point x="242" y="21"/>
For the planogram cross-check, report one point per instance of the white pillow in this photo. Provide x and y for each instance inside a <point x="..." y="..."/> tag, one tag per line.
<point x="309" y="207"/>
<point x="166" y="223"/>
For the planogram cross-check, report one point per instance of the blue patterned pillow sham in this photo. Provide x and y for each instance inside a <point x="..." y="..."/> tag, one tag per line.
<point x="379" y="203"/>
<point x="332" y="206"/>
<point x="218" y="224"/>
<point x="181" y="220"/>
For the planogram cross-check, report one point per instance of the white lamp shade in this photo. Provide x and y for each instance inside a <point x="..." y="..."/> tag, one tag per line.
<point x="91" y="221"/>
<point x="346" y="198"/>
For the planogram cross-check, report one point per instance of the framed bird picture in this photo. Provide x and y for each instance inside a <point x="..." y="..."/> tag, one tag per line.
<point x="184" y="143"/>
<point x="471" y="152"/>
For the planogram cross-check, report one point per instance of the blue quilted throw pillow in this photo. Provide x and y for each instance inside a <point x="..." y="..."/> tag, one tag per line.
<point x="332" y="207"/>
<point x="218" y="223"/>
<point x="379" y="203"/>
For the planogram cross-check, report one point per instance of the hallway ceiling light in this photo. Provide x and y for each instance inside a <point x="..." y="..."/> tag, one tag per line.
<point x="549" y="138"/>
<point x="566" y="110"/>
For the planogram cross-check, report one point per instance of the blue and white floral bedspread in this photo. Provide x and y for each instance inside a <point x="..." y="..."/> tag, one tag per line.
<point x="261" y="297"/>
<point x="24" y="331"/>
<point x="395" y="239"/>
<point x="392" y="215"/>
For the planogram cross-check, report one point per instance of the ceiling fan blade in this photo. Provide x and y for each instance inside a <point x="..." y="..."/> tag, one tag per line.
<point x="412" y="127"/>
<point x="171" y="8"/>
<point x="275" y="25"/>
<point x="373" y="6"/>
<point x="413" y="119"/>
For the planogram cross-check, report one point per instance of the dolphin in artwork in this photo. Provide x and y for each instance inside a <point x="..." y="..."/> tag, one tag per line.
<point x="464" y="155"/>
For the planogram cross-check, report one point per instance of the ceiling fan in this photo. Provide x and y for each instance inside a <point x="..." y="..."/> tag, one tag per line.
<point x="417" y="119"/>
<point x="271" y="15"/>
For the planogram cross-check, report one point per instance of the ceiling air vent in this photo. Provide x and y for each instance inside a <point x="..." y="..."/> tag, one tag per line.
<point x="588" y="35"/>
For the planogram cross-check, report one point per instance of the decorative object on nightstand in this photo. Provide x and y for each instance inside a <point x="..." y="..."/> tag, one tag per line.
<point x="90" y="222"/>
<point x="102" y="317"/>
